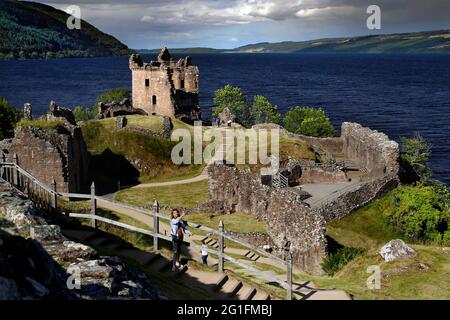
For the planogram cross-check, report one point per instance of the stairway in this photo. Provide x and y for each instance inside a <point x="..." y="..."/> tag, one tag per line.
<point x="220" y="285"/>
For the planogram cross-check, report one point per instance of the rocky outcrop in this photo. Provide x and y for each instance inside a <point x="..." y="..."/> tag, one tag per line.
<point x="48" y="265"/>
<point x="396" y="249"/>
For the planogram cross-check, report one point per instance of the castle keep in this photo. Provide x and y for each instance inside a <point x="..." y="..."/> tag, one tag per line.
<point x="166" y="87"/>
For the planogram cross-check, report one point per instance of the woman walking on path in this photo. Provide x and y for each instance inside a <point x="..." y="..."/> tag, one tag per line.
<point x="178" y="230"/>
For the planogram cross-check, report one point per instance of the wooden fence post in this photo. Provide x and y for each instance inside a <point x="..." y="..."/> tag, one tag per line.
<point x="155" y="225"/>
<point x="14" y="173"/>
<point x="54" y="197"/>
<point x="93" y="205"/>
<point x="2" y="159"/>
<point x="289" y="276"/>
<point x="221" y="245"/>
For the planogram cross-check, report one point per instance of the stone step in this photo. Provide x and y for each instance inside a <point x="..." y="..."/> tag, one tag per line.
<point x="261" y="296"/>
<point x="144" y="258"/>
<point x="180" y="271"/>
<point x="231" y="287"/>
<point x="98" y="241"/>
<point x="246" y="293"/>
<point x="221" y="282"/>
<point x="160" y="264"/>
<point x="79" y="235"/>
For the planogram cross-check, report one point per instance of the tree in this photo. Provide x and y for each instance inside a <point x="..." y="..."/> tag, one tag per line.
<point x="415" y="153"/>
<point x="421" y="213"/>
<point x="232" y="98"/>
<point x="309" y="121"/>
<point x="9" y="116"/>
<point x="263" y="111"/>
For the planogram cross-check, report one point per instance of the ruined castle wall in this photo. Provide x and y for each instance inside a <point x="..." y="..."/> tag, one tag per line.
<point x="288" y="219"/>
<point x="159" y="85"/>
<point x="373" y="150"/>
<point x="50" y="154"/>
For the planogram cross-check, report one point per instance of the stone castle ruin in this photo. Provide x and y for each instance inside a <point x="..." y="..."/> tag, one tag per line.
<point x="166" y="87"/>
<point x="51" y="153"/>
<point x="288" y="215"/>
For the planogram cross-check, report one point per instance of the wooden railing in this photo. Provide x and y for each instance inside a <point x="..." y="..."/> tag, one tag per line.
<point x="47" y="197"/>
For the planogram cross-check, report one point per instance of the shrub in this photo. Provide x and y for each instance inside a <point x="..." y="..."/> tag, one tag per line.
<point x="421" y="213"/>
<point x="114" y="95"/>
<point x="9" y="116"/>
<point x="336" y="261"/>
<point x="84" y="114"/>
<point x="415" y="153"/>
<point x="263" y="111"/>
<point x="309" y="121"/>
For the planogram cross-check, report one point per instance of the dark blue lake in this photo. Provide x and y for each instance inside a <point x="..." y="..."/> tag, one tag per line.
<point x="395" y="94"/>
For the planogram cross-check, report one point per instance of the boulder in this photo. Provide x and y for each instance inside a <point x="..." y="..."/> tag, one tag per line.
<point x="46" y="232"/>
<point x="396" y="249"/>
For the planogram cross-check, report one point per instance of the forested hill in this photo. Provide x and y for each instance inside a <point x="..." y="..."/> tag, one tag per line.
<point x="34" y="30"/>
<point x="417" y="42"/>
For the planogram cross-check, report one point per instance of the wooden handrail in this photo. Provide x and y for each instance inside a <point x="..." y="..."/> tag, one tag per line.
<point x="95" y="217"/>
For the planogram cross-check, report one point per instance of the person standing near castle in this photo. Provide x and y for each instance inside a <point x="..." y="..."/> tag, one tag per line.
<point x="178" y="230"/>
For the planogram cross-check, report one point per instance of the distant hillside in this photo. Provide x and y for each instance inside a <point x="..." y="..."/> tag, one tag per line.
<point x="419" y="42"/>
<point x="34" y="30"/>
<point x="180" y="50"/>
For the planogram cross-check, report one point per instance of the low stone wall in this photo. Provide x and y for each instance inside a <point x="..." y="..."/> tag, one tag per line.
<point x="290" y="223"/>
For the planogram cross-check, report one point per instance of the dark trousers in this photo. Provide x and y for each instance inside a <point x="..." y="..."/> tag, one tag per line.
<point x="205" y="259"/>
<point x="176" y="246"/>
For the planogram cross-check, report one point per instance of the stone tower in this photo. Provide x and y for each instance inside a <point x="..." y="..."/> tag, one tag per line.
<point x="166" y="87"/>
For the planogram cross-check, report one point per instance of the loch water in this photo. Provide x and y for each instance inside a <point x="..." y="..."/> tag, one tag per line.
<point x="396" y="94"/>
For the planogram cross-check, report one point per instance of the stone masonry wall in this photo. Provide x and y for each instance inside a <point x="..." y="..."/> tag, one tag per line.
<point x="372" y="149"/>
<point x="288" y="219"/>
<point x="60" y="154"/>
<point x="322" y="175"/>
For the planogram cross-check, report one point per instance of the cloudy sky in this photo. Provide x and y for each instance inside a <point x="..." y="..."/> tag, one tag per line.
<point x="231" y="23"/>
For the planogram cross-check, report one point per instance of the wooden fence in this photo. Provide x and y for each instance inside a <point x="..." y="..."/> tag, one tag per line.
<point x="46" y="197"/>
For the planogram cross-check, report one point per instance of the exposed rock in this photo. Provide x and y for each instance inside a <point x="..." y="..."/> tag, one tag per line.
<point x="8" y="289"/>
<point x="46" y="232"/>
<point x="70" y="251"/>
<point x="396" y="249"/>
<point x="34" y="269"/>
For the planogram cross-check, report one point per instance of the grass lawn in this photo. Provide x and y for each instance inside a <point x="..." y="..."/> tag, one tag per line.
<point x="183" y="195"/>
<point x="194" y="171"/>
<point x="403" y="278"/>
<point x="236" y="222"/>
